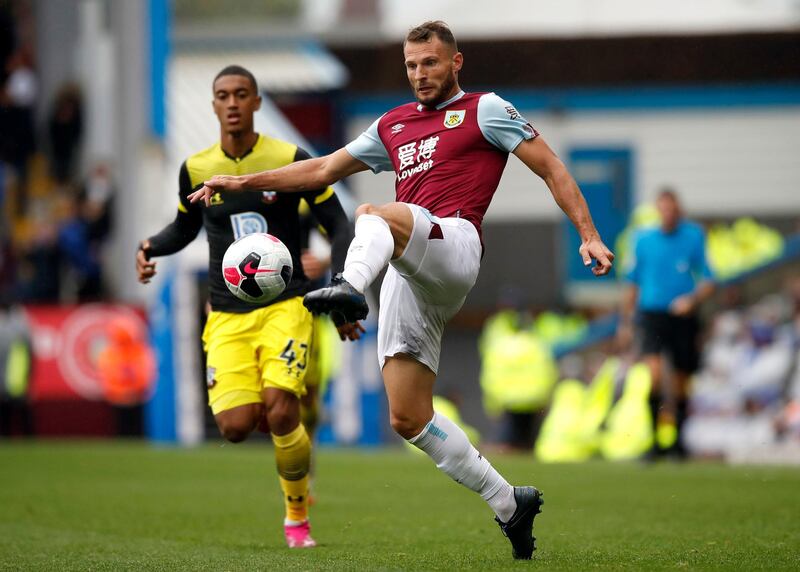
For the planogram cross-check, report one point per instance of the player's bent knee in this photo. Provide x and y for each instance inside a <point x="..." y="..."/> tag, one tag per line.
<point x="235" y="434"/>
<point x="281" y="423"/>
<point x="236" y="424"/>
<point x="407" y="426"/>
<point x="283" y="415"/>
<point x="236" y="428"/>
<point x="365" y="208"/>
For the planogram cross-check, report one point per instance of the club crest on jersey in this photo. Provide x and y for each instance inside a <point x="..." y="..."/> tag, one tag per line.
<point x="454" y="118"/>
<point x="529" y="129"/>
<point x="216" y="199"/>
<point x="269" y="197"/>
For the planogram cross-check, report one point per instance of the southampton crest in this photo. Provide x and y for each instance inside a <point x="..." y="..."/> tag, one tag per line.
<point x="454" y="118"/>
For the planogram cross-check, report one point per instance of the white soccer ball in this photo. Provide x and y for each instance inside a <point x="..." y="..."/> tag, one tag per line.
<point x="257" y="267"/>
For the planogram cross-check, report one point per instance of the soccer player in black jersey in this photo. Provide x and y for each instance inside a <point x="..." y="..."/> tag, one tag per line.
<point x="257" y="356"/>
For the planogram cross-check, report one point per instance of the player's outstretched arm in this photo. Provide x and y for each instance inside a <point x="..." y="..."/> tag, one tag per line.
<point x="540" y="159"/>
<point x="298" y="176"/>
<point x="173" y="237"/>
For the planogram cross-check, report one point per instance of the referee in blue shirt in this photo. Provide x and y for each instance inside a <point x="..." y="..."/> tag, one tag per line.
<point x="669" y="278"/>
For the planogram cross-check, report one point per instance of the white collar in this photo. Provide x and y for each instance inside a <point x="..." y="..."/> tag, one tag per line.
<point x="444" y="104"/>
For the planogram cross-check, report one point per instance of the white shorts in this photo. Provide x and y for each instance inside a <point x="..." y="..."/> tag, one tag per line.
<point x="426" y="286"/>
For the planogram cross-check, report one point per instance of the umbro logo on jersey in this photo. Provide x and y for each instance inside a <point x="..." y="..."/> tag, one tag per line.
<point x="454" y="118"/>
<point x="397" y="128"/>
<point x="269" y="197"/>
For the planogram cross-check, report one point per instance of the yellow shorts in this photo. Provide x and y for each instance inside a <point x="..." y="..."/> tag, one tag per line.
<point x="267" y="347"/>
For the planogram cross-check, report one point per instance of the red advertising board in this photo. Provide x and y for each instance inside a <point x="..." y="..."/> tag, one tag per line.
<point x="66" y="391"/>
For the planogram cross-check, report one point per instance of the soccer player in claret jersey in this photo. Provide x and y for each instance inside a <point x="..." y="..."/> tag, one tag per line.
<point x="448" y="150"/>
<point x="257" y="355"/>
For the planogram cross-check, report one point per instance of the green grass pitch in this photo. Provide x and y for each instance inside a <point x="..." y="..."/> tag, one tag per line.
<point x="132" y="506"/>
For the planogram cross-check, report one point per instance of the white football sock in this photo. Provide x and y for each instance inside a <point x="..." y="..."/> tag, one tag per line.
<point x="369" y="252"/>
<point x="447" y="444"/>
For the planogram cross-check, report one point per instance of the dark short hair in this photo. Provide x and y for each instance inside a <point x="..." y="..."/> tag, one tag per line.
<point x="668" y="193"/>
<point x="426" y="31"/>
<point x="236" y="70"/>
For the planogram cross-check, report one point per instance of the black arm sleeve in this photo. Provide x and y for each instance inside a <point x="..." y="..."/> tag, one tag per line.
<point x="307" y="224"/>
<point x="331" y="216"/>
<point x="186" y="225"/>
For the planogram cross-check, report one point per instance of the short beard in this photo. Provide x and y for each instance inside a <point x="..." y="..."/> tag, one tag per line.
<point x="447" y="86"/>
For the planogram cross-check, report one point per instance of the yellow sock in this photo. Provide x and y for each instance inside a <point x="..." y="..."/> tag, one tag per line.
<point x="292" y="456"/>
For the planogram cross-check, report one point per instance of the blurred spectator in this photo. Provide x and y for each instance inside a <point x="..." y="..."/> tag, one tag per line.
<point x="788" y="421"/>
<point x="61" y="259"/>
<point x="3" y="213"/>
<point x="15" y="371"/>
<point x="8" y="269"/>
<point x="712" y="392"/>
<point x="81" y="252"/>
<point x="517" y="370"/>
<point x="20" y="92"/>
<point x="65" y="128"/>
<point x="750" y="357"/>
<point x="39" y="263"/>
<point x="95" y="199"/>
<point x="748" y="393"/>
<point x="669" y="278"/>
<point x="629" y="431"/>
<point x="126" y="365"/>
<point x="7" y="38"/>
<point x="743" y="245"/>
<point x="572" y="430"/>
<point x="127" y="368"/>
<point x="762" y="364"/>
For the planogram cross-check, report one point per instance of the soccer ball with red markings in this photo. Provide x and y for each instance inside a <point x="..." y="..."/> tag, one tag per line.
<point x="257" y="267"/>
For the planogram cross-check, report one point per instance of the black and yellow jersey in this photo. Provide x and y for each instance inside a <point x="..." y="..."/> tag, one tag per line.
<point x="232" y="215"/>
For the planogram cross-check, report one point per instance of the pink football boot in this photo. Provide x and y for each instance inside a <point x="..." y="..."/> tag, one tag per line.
<point x="299" y="535"/>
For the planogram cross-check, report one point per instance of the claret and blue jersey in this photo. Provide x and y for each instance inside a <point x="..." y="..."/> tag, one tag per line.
<point x="433" y="151"/>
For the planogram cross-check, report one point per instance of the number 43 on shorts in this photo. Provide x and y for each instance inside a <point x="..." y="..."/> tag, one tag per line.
<point x="291" y="357"/>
